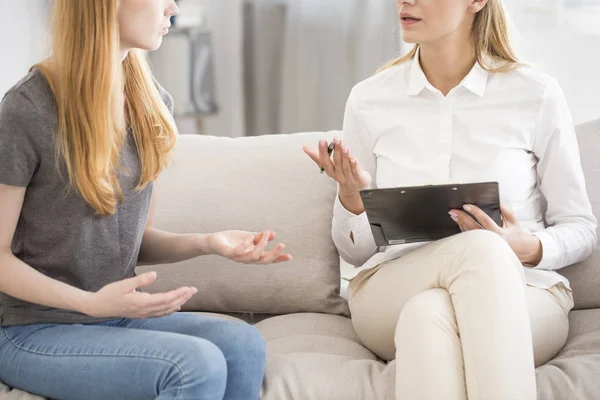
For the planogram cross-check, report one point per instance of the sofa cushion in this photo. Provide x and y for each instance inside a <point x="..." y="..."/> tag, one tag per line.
<point x="585" y="276"/>
<point x="574" y="373"/>
<point x="7" y="394"/>
<point x="317" y="356"/>
<point x="252" y="183"/>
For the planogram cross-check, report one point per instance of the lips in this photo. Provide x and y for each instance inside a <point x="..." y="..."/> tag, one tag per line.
<point x="409" y="18"/>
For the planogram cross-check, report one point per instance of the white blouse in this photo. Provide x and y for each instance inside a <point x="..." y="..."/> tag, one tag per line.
<point x="513" y="128"/>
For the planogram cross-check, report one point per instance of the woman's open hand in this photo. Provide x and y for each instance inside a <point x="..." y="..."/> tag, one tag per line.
<point x="247" y="247"/>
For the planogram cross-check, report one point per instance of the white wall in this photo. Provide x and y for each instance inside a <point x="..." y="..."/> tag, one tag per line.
<point x="560" y="42"/>
<point x="574" y="60"/>
<point x="23" y="38"/>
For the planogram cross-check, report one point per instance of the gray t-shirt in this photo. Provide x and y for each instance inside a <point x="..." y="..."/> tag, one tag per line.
<point x="58" y="233"/>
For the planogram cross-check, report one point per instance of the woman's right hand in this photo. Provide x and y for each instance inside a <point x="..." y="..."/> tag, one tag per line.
<point x="345" y="170"/>
<point x="121" y="300"/>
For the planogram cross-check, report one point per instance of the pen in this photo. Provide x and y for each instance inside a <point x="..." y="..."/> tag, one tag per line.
<point x="329" y="151"/>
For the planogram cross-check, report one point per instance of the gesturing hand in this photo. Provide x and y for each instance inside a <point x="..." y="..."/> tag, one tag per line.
<point x="247" y="247"/>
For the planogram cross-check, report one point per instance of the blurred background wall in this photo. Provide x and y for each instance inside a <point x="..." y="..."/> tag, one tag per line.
<point x="250" y="67"/>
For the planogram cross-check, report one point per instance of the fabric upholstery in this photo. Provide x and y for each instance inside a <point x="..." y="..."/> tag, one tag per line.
<point x="574" y="373"/>
<point x="319" y="357"/>
<point x="585" y="277"/>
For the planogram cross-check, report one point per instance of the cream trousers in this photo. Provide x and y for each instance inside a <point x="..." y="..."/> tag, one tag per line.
<point x="460" y="321"/>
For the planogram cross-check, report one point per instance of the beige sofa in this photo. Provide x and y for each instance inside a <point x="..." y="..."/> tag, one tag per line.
<point x="267" y="183"/>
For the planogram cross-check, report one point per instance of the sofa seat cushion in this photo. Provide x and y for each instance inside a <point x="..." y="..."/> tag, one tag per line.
<point x="319" y="356"/>
<point x="7" y="394"/>
<point x="575" y="372"/>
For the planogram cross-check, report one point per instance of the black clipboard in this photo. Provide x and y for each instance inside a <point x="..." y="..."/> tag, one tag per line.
<point x="420" y="213"/>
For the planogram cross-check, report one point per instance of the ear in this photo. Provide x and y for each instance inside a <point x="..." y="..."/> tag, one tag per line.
<point x="476" y="5"/>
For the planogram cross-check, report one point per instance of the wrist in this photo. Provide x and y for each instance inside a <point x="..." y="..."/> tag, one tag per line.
<point x="534" y="251"/>
<point x="204" y="244"/>
<point x="352" y="202"/>
<point x="84" y="303"/>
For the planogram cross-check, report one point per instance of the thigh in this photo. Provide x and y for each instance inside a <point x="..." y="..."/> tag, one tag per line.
<point x="92" y="361"/>
<point x="549" y="317"/>
<point x="377" y="296"/>
<point x="475" y="261"/>
<point x="228" y="335"/>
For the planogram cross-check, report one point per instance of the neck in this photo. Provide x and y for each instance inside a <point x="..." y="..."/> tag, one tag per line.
<point x="447" y="62"/>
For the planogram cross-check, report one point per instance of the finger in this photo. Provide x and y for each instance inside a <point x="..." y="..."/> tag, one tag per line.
<point x="338" y="152"/>
<point x="313" y="154"/>
<point x="161" y="299"/>
<point x="141" y="280"/>
<point x="179" y="302"/>
<point x="269" y="257"/>
<point x="464" y="221"/>
<point x="183" y="299"/>
<point x="356" y="168"/>
<point x="260" y="247"/>
<point x="283" y="258"/>
<point x="172" y="301"/>
<point x="482" y="218"/>
<point x="163" y="313"/>
<point x="258" y="237"/>
<point x="325" y="160"/>
<point x="346" y="165"/>
<point x="508" y="216"/>
<point x="168" y="306"/>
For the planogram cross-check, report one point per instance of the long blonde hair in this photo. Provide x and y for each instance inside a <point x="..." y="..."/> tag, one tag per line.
<point x="98" y="97"/>
<point x="491" y="39"/>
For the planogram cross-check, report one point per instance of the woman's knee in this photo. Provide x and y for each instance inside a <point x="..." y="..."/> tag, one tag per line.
<point x="424" y="318"/>
<point x="199" y="363"/>
<point x="426" y="310"/>
<point x="242" y="341"/>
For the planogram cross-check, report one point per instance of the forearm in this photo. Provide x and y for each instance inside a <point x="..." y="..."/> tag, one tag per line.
<point x="352" y="235"/>
<point x="160" y="247"/>
<point x="21" y="281"/>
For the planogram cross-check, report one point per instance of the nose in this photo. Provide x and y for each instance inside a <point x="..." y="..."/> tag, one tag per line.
<point x="173" y="9"/>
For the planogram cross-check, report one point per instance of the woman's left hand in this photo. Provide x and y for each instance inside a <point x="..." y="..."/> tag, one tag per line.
<point x="525" y="245"/>
<point x="247" y="247"/>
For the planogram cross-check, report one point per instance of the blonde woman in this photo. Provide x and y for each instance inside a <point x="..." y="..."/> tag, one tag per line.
<point x="82" y="138"/>
<point x="469" y="316"/>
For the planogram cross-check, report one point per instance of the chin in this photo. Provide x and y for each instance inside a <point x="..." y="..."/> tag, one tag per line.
<point x="153" y="46"/>
<point x="410" y="37"/>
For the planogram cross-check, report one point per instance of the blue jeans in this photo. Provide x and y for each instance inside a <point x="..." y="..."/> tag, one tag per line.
<point x="180" y="356"/>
